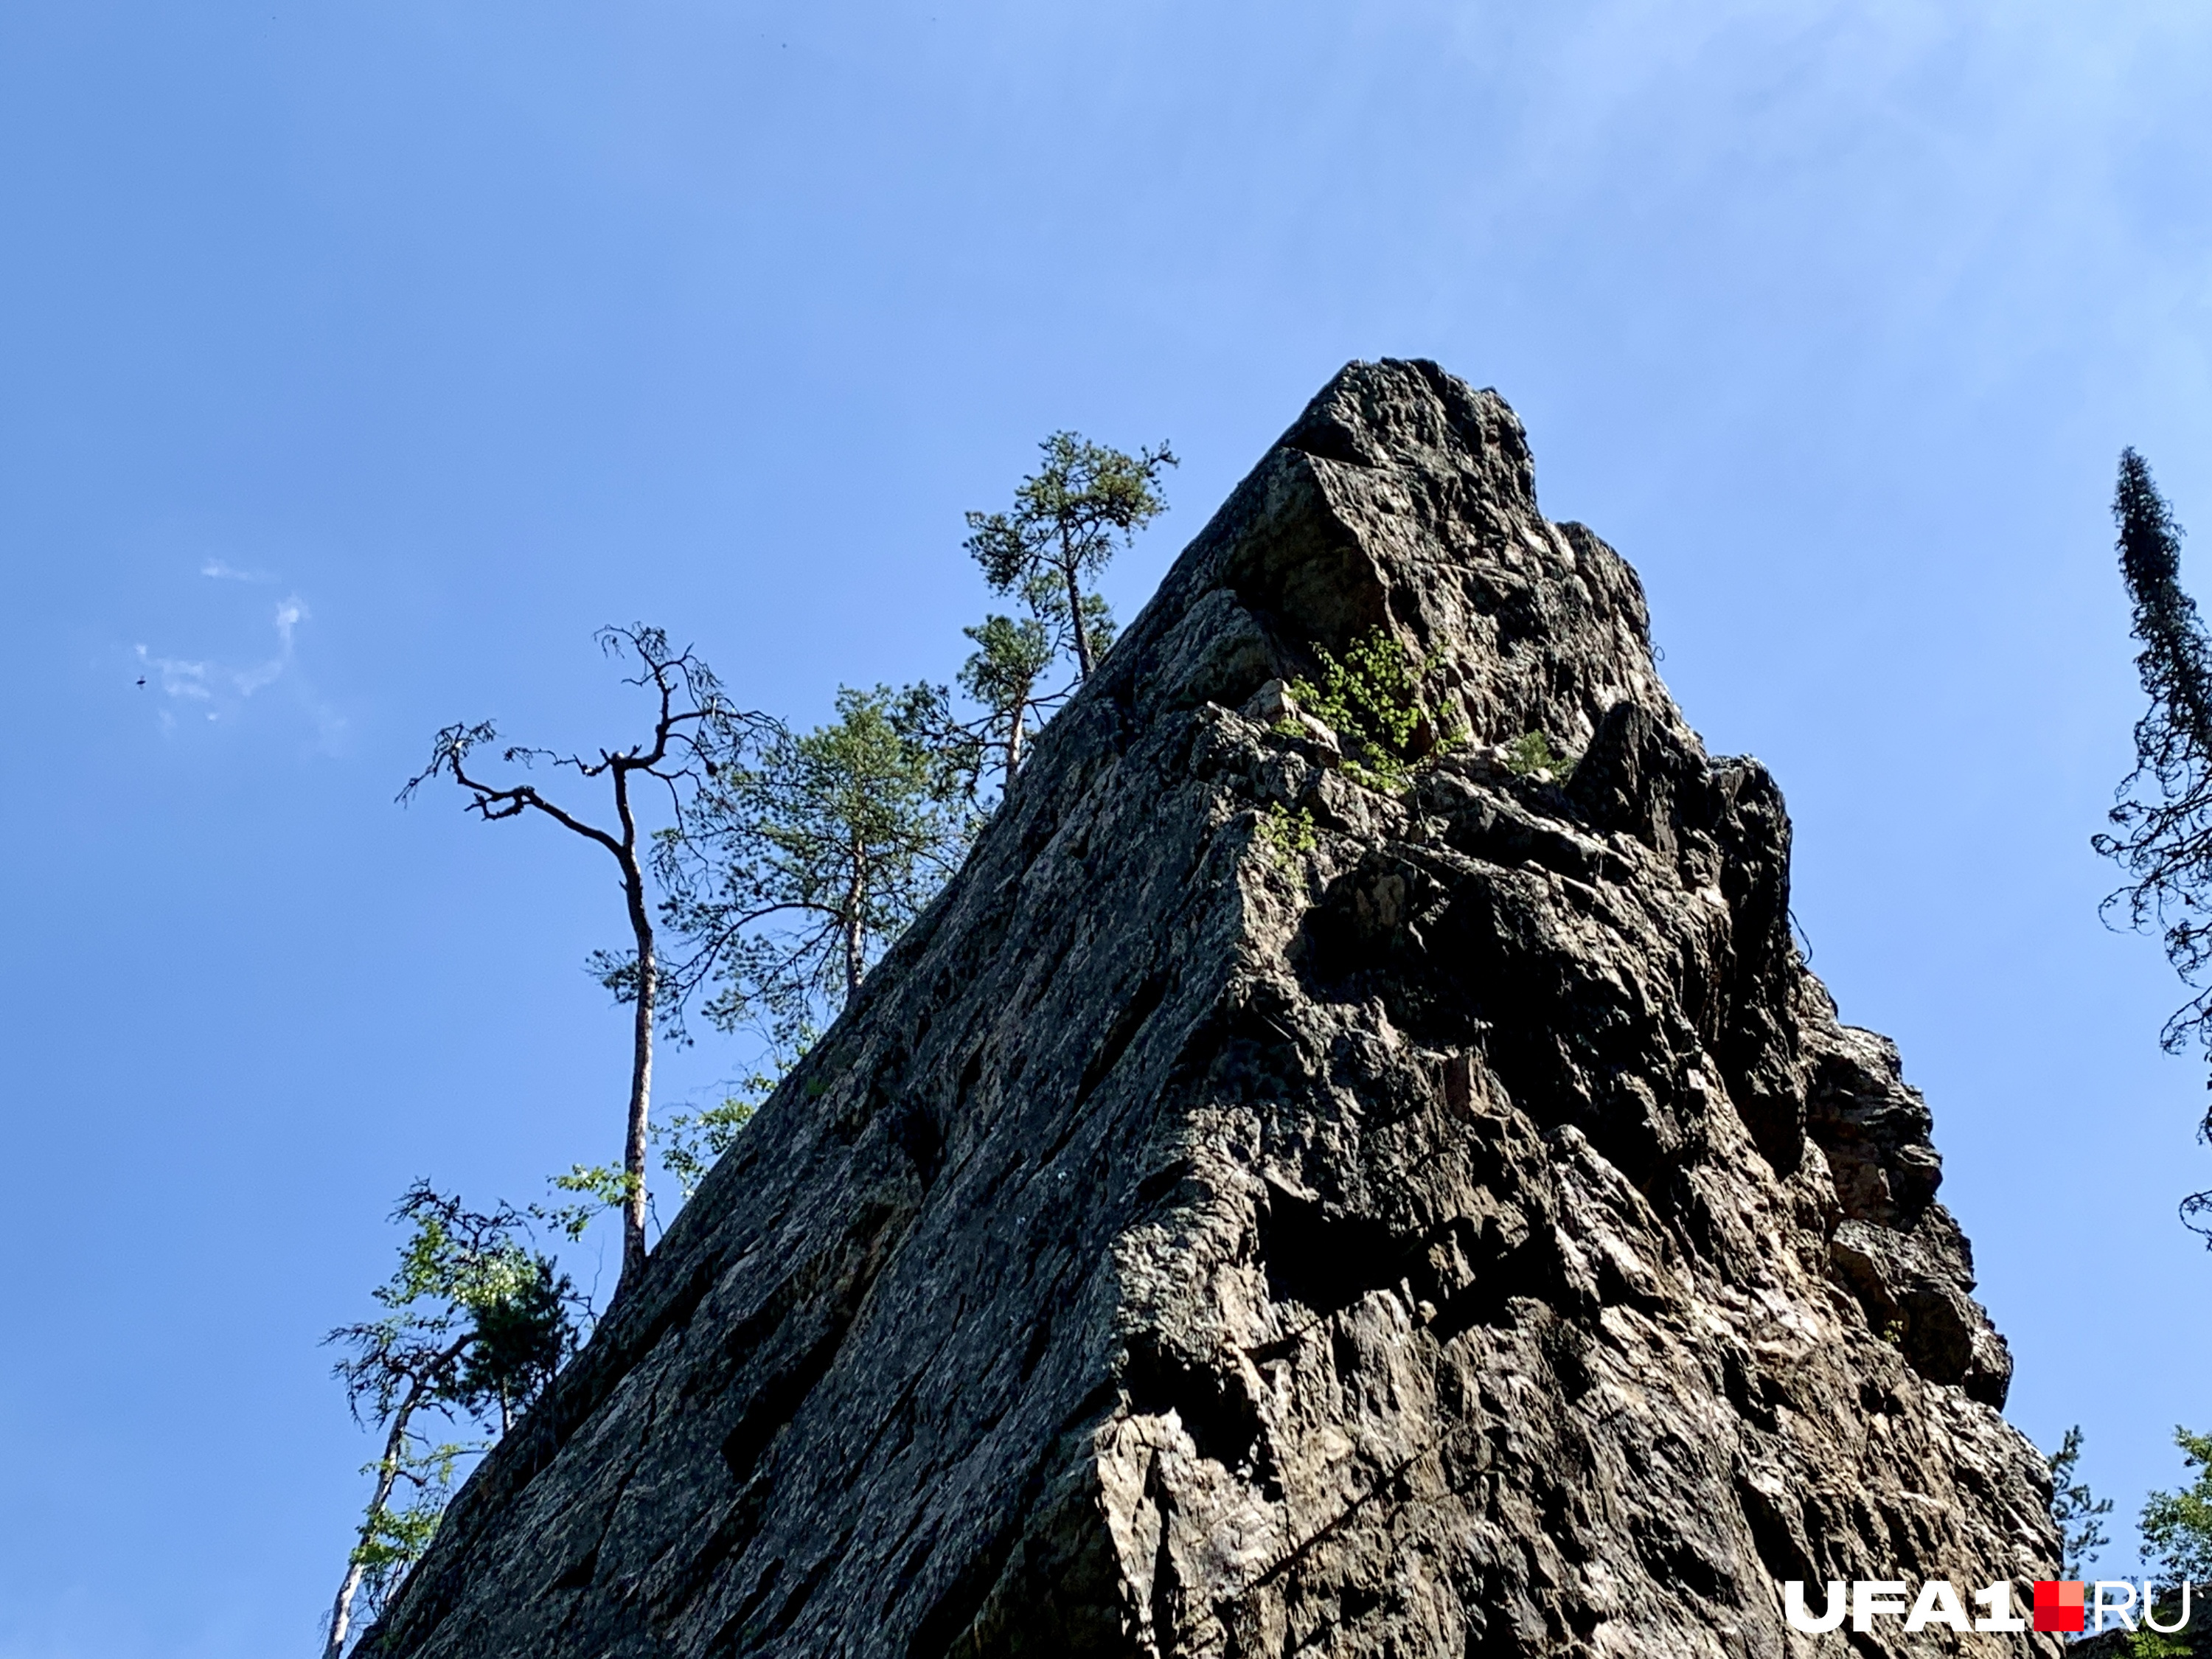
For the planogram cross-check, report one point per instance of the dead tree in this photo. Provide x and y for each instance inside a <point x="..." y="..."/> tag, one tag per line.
<point x="694" y="731"/>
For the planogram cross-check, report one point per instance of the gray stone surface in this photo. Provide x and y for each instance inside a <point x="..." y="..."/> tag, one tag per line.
<point x="1475" y="1235"/>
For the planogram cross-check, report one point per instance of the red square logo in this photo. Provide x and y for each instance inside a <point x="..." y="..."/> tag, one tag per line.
<point x="2058" y="1604"/>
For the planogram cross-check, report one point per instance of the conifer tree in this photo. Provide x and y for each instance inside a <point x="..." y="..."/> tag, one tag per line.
<point x="2162" y="816"/>
<point x="1002" y="675"/>
<point x="1068" y="518"/>
<point x="2078" y="1513"/>
<point x="2178" y="1525"/>
<point x="796" y="867"/>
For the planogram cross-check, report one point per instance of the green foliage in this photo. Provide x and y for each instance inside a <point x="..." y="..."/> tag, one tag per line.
<point x="690" y="1142"/>
<point x="1070" y="508"/>
<point x="1371" y="698"/>
<point x="799" y="864"/>
<point x="520" y="1339"/>
<point x="1068" y="518"/>
<point x="2177" y="1526"/>
<point x="2150" y="1645"/>
<point x="474" y="1324"/>
<point x="598" y="1187"/>
<point x="1002" y="675"/>
<point x="1010" y="656"/>
<point x="393" y="1538"/>
<point x="1287" y="835"/>
<point x="1531" y="752"/>
<point x="2078" y="1512"/>
<point x="1046" y="596"/>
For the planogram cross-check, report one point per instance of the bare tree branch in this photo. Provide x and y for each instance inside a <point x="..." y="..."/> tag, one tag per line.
<point x="695" y="731"/>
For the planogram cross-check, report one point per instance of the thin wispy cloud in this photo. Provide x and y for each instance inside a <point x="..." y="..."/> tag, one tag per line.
<point x="223" y="572"/>
<point x="216" y="691"/>
<point x="177" y="677"/>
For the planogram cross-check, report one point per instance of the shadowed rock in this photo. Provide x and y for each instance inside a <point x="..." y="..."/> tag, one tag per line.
<point x="1473" y="1234"/>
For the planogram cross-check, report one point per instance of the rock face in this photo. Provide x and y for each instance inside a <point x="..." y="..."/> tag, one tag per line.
<point x="1471" y="1233"/>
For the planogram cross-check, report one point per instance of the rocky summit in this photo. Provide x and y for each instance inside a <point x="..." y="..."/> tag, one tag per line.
<point x="1273" y="1204"/>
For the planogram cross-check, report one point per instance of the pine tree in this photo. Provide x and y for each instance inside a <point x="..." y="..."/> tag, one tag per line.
<point x="2078" y="1512"/>
<point x="2178" y="1525"/>
<point x="1002" y="675"/>
<point x="2162" y="816"/>
<point x="796" y="867"/>
<point x="1066" y="519"/>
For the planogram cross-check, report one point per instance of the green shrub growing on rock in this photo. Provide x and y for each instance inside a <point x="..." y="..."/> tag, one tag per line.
<point x="1371" y="697"/>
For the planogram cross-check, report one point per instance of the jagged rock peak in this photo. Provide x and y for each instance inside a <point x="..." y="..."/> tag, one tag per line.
<point x="1402" y="498"/>
<point x="1263" y="1208"/>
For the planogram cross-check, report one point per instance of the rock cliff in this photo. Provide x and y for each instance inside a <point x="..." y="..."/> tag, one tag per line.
<point x="1461" y="1229"/>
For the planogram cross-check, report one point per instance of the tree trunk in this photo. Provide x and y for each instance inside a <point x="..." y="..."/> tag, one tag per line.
<point x="1014" y="736"/>
<point x="1082" y="634"/>
<point x="387" y="1476"/>
<point x="640" y="1080"/>
<point x="856" y="962"/>
<point x="640" y="1052"/>
<point x="342" y="1613"/>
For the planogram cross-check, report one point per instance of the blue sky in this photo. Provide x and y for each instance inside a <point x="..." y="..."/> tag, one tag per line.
<point x="357" y="360"/>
